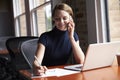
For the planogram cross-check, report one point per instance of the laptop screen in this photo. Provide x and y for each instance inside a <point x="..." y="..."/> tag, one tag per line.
<point x="98" y="55"/>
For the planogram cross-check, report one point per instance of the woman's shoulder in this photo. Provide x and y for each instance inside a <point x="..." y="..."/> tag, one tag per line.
<point x="44" y="38"/>
<point x="76" y="36"/>
<point x="75" y="33"/>
<point x="46" y="33"/>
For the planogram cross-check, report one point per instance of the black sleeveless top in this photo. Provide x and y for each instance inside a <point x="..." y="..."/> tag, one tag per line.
<point x="57" y="47"/>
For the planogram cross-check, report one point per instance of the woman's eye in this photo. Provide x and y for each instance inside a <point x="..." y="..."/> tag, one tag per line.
<point x="65" y="18"/>
<point x="57" y="19"/>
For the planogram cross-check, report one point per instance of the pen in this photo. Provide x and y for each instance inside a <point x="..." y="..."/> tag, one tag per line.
<point x="37" y="60"/>
<point x="40" y="64"/>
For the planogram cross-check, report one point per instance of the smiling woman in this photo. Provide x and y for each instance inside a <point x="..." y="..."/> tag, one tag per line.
<point x="56" y="46"/>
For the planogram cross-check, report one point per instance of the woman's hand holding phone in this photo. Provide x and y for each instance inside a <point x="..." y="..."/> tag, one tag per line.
<point x="71" y="27"/>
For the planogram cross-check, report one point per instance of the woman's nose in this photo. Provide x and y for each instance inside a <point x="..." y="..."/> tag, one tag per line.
<point x="61" y="20"/>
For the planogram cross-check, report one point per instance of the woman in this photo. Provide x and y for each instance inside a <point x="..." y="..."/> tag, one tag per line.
<point x="55" y="46"/>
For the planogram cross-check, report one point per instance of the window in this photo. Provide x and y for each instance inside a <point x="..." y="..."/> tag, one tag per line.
<point x="32" y="17"/>
<point x="41" y="16"/>
<point x="114" y="19"/>
<point x="19" y="17"/>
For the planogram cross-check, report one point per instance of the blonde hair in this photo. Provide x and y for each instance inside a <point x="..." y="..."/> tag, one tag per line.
<point x="63" y="6"/>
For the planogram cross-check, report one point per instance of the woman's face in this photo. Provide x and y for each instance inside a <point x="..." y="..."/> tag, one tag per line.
<point x="61" y="18"/>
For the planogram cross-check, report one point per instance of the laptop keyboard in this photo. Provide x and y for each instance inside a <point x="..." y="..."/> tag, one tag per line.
<point x="76" y="67"/>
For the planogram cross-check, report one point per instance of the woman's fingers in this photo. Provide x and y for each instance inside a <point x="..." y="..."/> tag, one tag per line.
<point x="45" y="68"/>
<point x="40" y="70"/>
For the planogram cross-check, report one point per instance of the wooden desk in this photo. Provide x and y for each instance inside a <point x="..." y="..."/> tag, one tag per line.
<point x="107" y="73"/>
<point x="3" y="51"/>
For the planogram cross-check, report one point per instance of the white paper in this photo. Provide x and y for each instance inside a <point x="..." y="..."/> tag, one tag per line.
<point x="57" y="72"/>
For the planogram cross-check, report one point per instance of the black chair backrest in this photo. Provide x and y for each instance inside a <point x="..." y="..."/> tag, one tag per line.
<point x="28" y="49"/>
<point x="13" y="46"/>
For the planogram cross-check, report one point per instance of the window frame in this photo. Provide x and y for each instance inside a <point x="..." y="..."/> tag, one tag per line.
<point x="97" y="21"/>
<point x="30" y="15"/>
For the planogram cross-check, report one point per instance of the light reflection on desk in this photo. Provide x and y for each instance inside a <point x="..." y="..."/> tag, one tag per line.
<point x="108" y="73"/>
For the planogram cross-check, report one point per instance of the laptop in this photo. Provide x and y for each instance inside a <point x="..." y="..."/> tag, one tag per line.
<point x="98" y="55"/>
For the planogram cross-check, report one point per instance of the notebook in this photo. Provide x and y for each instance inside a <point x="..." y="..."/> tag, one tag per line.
<point x="97" y="56"/>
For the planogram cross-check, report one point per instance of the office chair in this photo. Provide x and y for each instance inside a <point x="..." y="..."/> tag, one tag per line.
<point x="13" y="46"/>
<point x="28" y="49"/>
